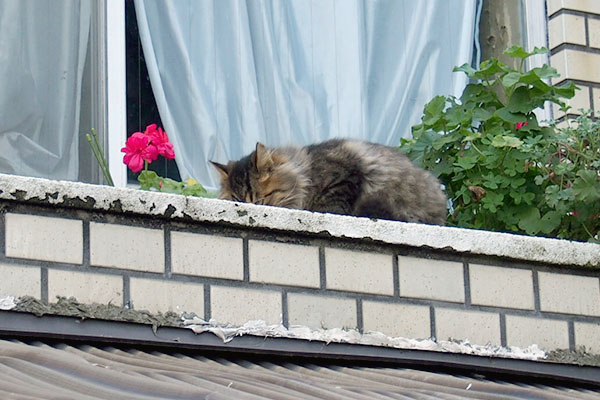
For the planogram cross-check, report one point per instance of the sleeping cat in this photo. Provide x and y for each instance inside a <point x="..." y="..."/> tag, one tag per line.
<point x="337" y="176"/>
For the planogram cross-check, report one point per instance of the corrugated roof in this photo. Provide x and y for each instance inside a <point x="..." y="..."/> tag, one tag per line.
<point x="37" y="370"/>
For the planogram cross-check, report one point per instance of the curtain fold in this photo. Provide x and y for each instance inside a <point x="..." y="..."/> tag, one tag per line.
<point x="229" y="73"/>
<point x="42" y="54"/>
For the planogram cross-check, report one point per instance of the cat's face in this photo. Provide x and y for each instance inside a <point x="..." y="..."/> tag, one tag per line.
<point x="260" y="178"/>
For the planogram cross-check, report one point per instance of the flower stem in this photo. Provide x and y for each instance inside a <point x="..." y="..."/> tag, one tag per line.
<point x="99" y="154"/>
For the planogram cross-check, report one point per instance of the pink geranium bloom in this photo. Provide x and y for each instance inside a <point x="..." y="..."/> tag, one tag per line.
<point x="160" y="139"/>
<point x="137" y="150"/>
<point x="519" y="125"/>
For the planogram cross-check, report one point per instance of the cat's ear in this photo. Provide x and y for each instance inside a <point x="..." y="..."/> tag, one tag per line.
<point x="262" y="158"/>
<point x="224" y="170"/>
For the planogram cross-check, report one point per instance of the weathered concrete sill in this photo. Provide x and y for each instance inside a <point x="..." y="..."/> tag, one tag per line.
<point x="122" y="200"/>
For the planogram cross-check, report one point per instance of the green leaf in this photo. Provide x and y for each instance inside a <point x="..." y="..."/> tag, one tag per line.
<point x="586" y="186"/>
<point x="421" y="146"/>
<point x="195" y="190"/>
<point x="492" y="201"/>
<point x="466" y="68"/>
<point x="506" y="141"/>
<point x="489" y="68"/>
<point x="546" y="72"/>
<point x="169" y="185"/>
<point x="567" y="90"/>
<point x="518" y="52"/>
<point x="530" y="220"/>
<point x="513" y="118"/>
<point x="510" y="79"/>
<point x="433" y="110"/>
<point x="520" y="101"/>
<point x="444" y="140"/>
<point x="148" y="179"/>
<point x="515" y="183"/>
<point x="481" y="114"/>
<point x="539" y="179"/>
<point x="466" y="163"/>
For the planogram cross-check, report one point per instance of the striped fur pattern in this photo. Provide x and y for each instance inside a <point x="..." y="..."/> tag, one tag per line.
<point x="337" y="176"/>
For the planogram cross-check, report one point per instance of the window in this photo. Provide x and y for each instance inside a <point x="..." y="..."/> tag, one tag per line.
<point x="114" y="87"/>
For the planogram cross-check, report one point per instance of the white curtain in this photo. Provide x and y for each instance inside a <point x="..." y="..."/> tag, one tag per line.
<point x="229" y="73"/>
<point x="42" y="53"/>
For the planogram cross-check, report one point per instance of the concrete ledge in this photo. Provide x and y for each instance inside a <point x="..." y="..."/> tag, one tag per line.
<point x="122" y="200"/>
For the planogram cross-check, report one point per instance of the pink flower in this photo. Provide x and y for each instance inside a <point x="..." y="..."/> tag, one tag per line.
<point x="137" y="150"/>
<point x="160" y="139"/>
<point x="575" y="214"/>
<point x="519" y="125"/>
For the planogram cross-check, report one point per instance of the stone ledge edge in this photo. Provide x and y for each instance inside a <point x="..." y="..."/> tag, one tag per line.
<point x="124" y="200"/>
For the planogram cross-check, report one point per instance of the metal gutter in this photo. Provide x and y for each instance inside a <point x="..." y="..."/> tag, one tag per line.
<point x="30" y="327"/>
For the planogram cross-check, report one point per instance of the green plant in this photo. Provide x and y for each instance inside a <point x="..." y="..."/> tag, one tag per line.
<point x="141" y="149"/>
<point x="501" y="169"/>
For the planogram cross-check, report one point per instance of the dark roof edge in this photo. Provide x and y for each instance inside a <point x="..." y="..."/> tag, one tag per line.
<point x="27" y="326"/>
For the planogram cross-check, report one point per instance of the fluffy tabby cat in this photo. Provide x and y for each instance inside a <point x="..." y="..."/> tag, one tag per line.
<point x="337" y="176"/>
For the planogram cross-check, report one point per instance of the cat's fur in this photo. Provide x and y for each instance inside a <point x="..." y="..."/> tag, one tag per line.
<point x="337" y="176"/>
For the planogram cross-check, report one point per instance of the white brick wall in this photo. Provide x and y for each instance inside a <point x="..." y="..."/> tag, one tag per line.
<point x="569" y="294"/>
<point x="85" y="287"/>
<point x="237" y="306"/>
<point x="321" y="311"/>
<point x="127" y="247"/>
<point x="207" y="255"/>
<point x="478" y="327"/>
<point x="431" y="279"/>
<point x="283" y="263"/>
<point x="20" y="280"/>
<point x="44" y="238"/>
<point x="403" y="320"/>
<point x="546" y="333"/>
<point x="588" y="335"/>
<point x="156" y="295"/>
<point x="501" y="287"/>
<point x="359" y="271"/>
<point x="46" y="256"/>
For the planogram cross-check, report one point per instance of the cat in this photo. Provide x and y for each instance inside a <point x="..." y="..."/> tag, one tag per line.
<point x="340" y="176"/>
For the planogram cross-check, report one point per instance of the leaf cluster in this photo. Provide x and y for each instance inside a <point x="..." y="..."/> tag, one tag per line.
<point x="150" y="180"/>
<point x="501" y="169"/>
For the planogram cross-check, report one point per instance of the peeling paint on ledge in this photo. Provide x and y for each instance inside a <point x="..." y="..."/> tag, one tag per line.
<point x="105" y="198"/>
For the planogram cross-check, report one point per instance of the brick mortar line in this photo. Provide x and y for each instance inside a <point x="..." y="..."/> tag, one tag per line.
<point x="432" y="323"/>
<point x="168" y="267"/>
<point x="396" y="275"/>
<point x="322" y="270"/>
<point x="285" y="316"/>
<point x="86" y="257"/>
<point x="44" y="285"/>
<point x="536" y="291"/>
<point x="126" y="291"/>
<point x="359" y="315"/>
<point x="207" y="308"/>
<point x="503" y="329"/>
<point x="575" y="47"/>
<point x="467" y="284"/>
<point x="571" y="328"/>
<point x="573" y="12"/>
<point x="2" y="235"/>
<point x="587" y="32"/>
<point x="245" y="260"/>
